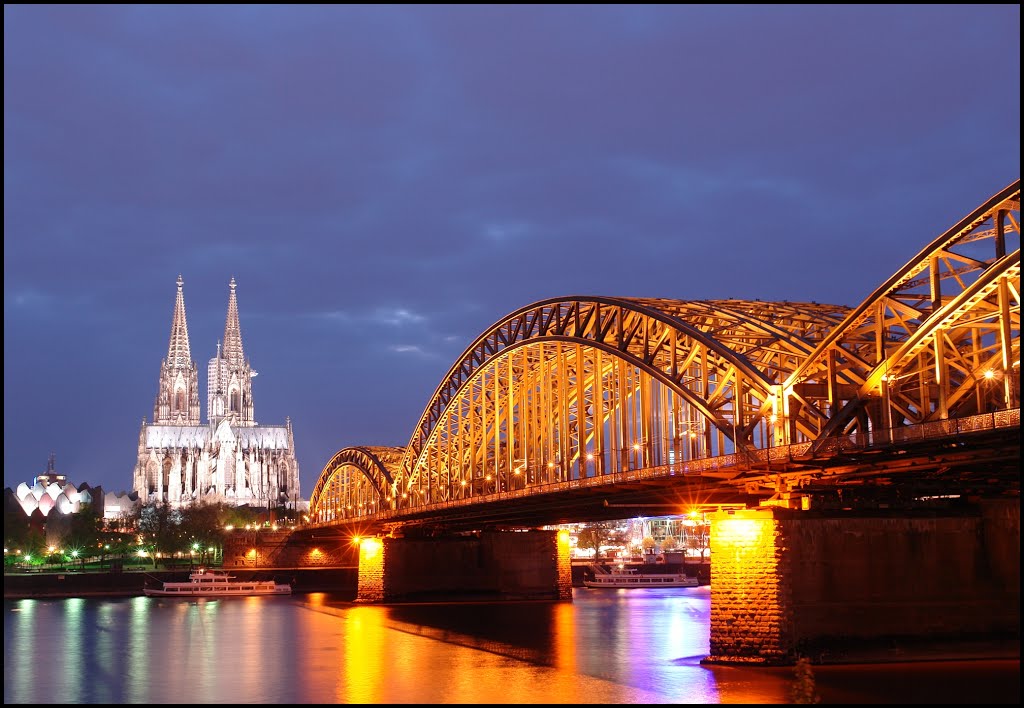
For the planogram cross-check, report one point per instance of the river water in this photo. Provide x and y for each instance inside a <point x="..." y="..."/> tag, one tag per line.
<point x="606" y="646"/>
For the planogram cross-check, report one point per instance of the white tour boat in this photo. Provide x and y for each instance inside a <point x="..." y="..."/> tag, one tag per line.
<point x="622" y="577"/>
<point x="217" y="583"/>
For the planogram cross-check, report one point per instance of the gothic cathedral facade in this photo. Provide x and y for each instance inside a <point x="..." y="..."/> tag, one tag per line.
<point x="230" y="458"/>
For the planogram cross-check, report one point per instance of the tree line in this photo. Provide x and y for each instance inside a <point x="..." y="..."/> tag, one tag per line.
<point x="156" y="533"/>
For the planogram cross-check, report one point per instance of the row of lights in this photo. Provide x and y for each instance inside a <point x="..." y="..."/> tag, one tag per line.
<point x="519" y="470"/>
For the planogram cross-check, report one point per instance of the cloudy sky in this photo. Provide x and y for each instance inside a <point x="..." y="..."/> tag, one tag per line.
<point x="385" y="183"/>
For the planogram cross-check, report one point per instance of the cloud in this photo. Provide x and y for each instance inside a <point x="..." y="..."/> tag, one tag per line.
<point x="396" y="179"/>
<point x="408" y="349"/>
<point x="397" y="317"/>
<point x="385" y="316"/>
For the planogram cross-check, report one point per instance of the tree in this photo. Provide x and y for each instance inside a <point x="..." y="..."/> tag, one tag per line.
<point x="241" y="516"/>
<point x="159" y="529"/>
<point x="590" y="537"/>
<point x="648" y="544"/>
<point x="697" y="538"/>
<point x="21" y="538"/>
<point x="669" y="543"/>
<point x="202" y="527"/>
<point x="597" y="534"/>
<point x="17" y="527"/>
<point x="83" y="532"/>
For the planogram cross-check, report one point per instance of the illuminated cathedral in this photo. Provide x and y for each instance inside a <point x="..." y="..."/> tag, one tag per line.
<point x="229" y="458"/>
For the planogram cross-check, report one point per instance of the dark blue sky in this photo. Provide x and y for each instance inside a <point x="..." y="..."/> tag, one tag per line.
<point x="386" y="182"/>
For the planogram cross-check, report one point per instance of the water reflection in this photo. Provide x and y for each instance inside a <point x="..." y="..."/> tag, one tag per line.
<point x="607" y="646"/>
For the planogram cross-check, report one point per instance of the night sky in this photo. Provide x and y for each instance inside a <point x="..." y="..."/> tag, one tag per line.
<point x="385" y="183"/>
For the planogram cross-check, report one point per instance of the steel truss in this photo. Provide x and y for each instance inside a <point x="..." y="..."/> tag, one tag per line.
<point x="580" y="388"/>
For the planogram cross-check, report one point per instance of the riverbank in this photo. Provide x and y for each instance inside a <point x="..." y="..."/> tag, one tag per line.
<point x="130" y="582"/>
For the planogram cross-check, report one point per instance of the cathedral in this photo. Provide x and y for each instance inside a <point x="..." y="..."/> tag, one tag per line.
<point x="230" y="458"/>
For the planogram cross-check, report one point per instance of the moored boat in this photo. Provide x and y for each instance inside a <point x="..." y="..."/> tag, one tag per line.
<point x="217" y="583"/>
<point x="623" y="577"/>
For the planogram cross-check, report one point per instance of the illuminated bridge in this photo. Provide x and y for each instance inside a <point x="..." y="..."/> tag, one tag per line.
<point x="862" y="462"/>
<point x="584" y="408"/>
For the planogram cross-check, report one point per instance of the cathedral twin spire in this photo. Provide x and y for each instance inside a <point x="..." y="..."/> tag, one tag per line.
<point x="229" y="374"/>
<point x="178" y="352"/>
<point x="232" y="351"/>
<point x="177" y="399"/>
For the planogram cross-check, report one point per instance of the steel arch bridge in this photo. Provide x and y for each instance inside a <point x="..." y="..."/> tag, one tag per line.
<point x="751" y="397"/>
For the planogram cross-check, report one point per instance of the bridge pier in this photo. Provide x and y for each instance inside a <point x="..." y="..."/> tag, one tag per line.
<point x="504" y="565"/>
<point x="787" y="583"/>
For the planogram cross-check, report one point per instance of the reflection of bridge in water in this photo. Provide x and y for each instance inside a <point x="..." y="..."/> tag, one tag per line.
<point x="570" y="403"/>
<point x="853" y="454"/>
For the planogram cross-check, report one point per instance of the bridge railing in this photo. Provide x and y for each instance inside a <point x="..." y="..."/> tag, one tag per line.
<point x="932" y="430"/>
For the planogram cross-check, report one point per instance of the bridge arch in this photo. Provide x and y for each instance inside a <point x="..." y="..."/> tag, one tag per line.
<point x="926" y="344"/>
<point x="354" y="482"/>
<point x="569" y="388"/>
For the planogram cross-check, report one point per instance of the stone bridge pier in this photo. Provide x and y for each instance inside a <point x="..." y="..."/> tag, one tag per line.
<point x="787" y="583"/>
<point x="505" y="565"/>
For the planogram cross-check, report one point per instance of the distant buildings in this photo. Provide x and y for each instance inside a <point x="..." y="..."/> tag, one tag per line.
<point x="51" y="493"/>
<point x="228" y="459"/>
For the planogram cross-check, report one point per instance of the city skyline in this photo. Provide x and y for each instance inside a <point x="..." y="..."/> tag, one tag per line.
<point x="384" y="183"/>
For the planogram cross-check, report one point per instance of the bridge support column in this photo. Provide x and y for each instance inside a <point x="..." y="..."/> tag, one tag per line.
<point x="787" y="583"/>
<point x="751" y="597"/>
<point x="505" y="565"/>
